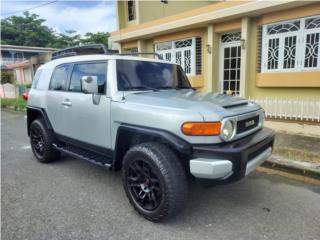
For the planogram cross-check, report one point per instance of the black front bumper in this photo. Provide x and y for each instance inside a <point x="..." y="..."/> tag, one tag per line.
<point x="239" y="152"/>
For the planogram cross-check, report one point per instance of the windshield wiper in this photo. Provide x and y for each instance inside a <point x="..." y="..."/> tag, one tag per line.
<point x="141" y="88"/>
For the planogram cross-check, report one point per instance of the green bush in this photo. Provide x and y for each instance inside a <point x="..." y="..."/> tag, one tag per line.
<point x="17" y="104"/>
<point x="28" y="85"/>
<point x="6" y="77"/>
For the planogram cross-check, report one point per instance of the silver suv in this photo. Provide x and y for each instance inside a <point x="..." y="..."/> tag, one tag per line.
<point x="141" y="116"/>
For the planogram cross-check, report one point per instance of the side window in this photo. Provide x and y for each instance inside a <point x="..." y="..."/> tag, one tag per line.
<point x="36" y="79"/>
<point x="59" y="78"/>
<point x="96" y="70"/>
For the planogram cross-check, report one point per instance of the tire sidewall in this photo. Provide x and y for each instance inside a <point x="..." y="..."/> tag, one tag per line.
<point x="171" y="177"/>
<point x="48" y="154"/>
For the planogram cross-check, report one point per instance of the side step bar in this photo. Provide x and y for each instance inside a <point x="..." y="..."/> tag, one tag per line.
<point x="83" y="154"/>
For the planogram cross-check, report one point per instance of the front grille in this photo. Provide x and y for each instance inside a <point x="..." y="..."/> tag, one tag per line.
<point x="247" y="124"/>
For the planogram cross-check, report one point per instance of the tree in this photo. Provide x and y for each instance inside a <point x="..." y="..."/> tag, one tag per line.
<point x="29" y="30"/>
<point x="99" y="37"/>
<point x="26" y="30"/>
<point x="70" y="38"/>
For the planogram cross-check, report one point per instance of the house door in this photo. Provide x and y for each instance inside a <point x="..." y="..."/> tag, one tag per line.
<point x="230" y="58"/>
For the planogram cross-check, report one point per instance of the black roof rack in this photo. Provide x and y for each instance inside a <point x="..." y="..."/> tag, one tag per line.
<point x="82" y="50"/>
<point x="94" y="49"/>
<point x="141" y="53"/>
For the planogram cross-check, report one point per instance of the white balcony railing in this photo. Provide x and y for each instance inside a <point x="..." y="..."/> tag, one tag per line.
<point x="290" y="109"/>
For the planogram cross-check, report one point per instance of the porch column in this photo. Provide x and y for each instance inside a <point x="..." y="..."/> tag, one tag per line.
<point x="245" y="48"/>
<point x="142" y="46"/>
<point x="212" y="52"/>
<point x="120" y="48"/>
<point x="145" y="45"/>
<point x="138" y="12"/>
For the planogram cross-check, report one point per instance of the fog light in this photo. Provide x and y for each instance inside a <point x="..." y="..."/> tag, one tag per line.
<point x="227" y="130"/>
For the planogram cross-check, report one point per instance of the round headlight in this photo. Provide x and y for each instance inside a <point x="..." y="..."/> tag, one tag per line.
<point x="227" y="130"/>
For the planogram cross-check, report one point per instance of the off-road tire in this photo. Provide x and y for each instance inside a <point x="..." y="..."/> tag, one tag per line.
<point x="171" y="176"/>
<point x="49" y="153"/>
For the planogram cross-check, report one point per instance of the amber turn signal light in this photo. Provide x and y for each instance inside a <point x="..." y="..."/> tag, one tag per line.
<point x="201" y="128"/>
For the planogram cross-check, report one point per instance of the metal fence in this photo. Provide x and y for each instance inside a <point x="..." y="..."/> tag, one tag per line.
<point x="291" y="109"/>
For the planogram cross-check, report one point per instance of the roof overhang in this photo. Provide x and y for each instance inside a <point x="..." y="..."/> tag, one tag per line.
<point x="201" y="17"/>
<point x="25" y="63"/>
<point x="16" y="48"/>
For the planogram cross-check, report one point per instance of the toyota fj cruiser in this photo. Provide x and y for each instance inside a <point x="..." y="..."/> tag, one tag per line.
<point x="141" y="116"/>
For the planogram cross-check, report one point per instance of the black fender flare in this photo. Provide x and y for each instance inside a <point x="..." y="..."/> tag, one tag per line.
<point x="178" y="144"/>
<point x="35" y="112"/>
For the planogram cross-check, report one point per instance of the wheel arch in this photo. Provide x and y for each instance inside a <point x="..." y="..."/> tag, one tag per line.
<point x="34" y="113"/>
<point x="130" y="135"/>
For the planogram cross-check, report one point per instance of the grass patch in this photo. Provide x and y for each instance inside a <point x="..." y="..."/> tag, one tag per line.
<point x="16" y="104"/>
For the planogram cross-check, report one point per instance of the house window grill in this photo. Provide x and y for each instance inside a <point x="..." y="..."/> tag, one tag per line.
<point x="183" y="43"/>
<point x="164" y="46"/>
<point x="231" y="37"/>
<point x="131" y="50"/>
<point x="312" y="51"/>
<point x="198" y="56"/>
<point x="284" y="27"/>
<point x="311" y="23"/>
<point x="185" y="52"/>
<point x="131" y="10"/>
<point x="259" y="48"/>
<point x="291" y="45"/>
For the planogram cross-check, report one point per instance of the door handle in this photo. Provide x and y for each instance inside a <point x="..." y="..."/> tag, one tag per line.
<point x="66" y="103"/>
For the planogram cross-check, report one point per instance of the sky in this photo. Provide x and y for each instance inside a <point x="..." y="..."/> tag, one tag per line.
<point x="81" y="16"/>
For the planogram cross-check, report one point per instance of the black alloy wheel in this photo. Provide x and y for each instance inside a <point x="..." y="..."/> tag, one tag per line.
<point x="42" y="140"/>
<point x="154" y="180"/>
<point x="37" y="142"/>
<point x="144" y="185"/>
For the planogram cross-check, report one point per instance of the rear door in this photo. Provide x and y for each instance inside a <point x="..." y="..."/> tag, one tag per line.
<point x="56" y="95"/>
<point x="86" y="120"/>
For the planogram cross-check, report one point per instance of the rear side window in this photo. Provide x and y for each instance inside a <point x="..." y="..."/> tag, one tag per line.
<point x="96" y="70"/>
<point x="36" y="79"/>
<point x="59" y="78"/>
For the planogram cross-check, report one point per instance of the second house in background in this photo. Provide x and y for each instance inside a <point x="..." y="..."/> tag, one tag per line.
<point x="254" y="49"/>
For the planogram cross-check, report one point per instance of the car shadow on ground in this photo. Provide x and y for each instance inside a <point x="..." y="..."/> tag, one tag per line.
<point x="202" y="201"/>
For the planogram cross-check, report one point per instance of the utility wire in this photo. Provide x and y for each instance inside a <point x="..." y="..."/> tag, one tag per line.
<point x="38" y="6"/>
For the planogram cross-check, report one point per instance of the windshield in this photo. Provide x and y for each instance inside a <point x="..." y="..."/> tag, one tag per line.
<point x="144" y="75"/>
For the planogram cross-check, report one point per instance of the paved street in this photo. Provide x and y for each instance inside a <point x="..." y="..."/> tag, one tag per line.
<point x="73" y="199"/>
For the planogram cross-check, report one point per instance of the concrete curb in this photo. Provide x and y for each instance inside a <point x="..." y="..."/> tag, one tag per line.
<point x="307" y="169"/>
<point x="6" y="109"/>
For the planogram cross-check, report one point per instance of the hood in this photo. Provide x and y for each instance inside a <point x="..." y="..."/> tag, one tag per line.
<point x="209" y="105"/>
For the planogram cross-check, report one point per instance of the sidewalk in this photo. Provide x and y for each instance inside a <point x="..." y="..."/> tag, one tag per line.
<point x="304" y="129"/>
<point x="296" y="148"/>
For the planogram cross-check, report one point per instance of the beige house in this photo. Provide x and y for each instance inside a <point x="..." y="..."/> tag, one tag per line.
<point x="257" y="49"/>
<point x="23" y="60"/>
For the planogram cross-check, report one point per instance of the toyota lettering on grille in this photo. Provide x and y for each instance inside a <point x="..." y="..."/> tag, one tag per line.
<point x="249" y="123"/>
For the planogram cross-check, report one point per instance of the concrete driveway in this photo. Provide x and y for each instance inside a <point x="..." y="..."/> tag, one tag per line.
<point x="72" y="199"/>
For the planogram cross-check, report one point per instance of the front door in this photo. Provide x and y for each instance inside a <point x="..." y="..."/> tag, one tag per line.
<point x="230" y="59"/>
<point x="86" y="120"/>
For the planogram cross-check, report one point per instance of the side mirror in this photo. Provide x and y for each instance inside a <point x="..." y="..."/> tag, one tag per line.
<point x="89" y="84"/>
